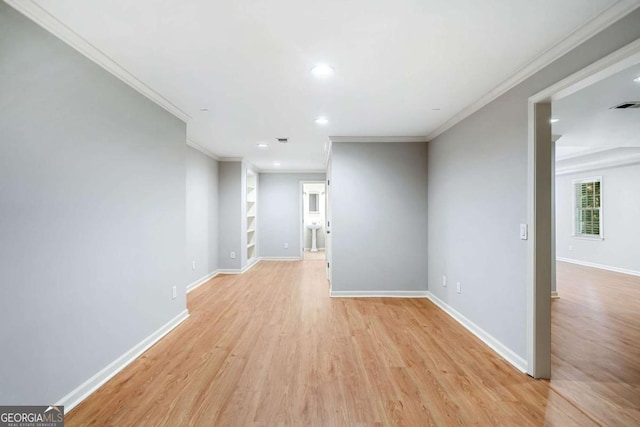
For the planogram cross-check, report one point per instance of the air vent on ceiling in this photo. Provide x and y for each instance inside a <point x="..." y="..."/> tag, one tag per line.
<point x="625" y="105"/>
<point x="283" y="140"/>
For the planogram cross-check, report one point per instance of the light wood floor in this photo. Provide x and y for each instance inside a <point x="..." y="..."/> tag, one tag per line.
<point x="271" y="348"/>
<point x="596" y="343"/>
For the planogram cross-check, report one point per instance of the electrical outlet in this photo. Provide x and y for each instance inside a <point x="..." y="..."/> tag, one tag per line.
<point x="174" y="292"/>
<point x="570" y="247"/>
<point x="286" y="246"/>
<point x="524" y="232"/>
<point x="233" y="255"/>
<point x="193" y="264"/>
<point x="458" y="288"/>
<point x="444" y="281"/>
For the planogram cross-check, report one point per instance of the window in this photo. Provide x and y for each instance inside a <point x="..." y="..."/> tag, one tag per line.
<point x="587" y="207"/>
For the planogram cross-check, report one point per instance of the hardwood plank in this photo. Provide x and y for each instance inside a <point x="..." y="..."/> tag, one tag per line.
<point x="596" y="343"/>
<point x="271" y="348"/>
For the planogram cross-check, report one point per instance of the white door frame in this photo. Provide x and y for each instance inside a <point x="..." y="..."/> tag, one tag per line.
<point x="301" y="211"/>
<point x="539" y="203"/>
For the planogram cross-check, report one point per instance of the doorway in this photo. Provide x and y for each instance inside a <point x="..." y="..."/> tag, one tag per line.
<point x="595" y="320"/>
<point x="313" y="220"/>
<point x="541" y="218"/>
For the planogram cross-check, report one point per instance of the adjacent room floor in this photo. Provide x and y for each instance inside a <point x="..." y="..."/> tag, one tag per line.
<point x="318" y="256"/>
<point x="596" y="343"/>
<point x="270" y="347"/>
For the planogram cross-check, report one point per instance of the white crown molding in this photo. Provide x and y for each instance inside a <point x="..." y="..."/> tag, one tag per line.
<point x="47" y="21"/>
<point x="84" y="390"/>
<point x="584" y="153"/>
<point x="607" y="66"/>
<point x="231" y="159"/>
<point x="378" y="294"/>
<point x="602" y="163"/>
<point x="504" y="351"/>
<point x="619" y="60"/>
<point x="202" y="149"/>
<point x="610" y="15"/>
<point x="365" y="138"/>
<point x="600" y="266"/>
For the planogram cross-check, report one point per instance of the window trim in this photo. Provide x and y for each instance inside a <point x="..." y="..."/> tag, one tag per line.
<point x="574" y="234"/>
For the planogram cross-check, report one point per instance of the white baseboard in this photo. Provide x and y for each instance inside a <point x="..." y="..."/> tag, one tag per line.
<point x="85" y="389"/>
<point x="201" y="281"/>
<point x="600" y="266"/>
<point x="497" y="346"/>
<point x="378" y="294"/>
<point x="255" y="261"/>
<point x="239" y="270"/>
<point x="554" y="295"/>
<point x="230" y="271"/>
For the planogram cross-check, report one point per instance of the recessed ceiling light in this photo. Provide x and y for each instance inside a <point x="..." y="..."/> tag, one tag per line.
<point x="322" y="121"/>
<point x="554" y="120"/>
<point x="637" y="79"/>
<point x="262" y="145"/>
<point x="323" y="71"/>
<point x="276" y="163"/>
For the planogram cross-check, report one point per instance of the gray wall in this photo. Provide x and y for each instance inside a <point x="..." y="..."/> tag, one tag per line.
<point x="230" y="219"/>
<point x="279" y="210"/>
<point x="379" y="216"/>
<point x="621" y="210"/>
<point x="477" y="198"/>
<point x="202" y="215"/>
<point x="92" y="215"/>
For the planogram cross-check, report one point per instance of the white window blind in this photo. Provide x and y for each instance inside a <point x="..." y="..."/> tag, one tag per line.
<point x="588" y="207"/>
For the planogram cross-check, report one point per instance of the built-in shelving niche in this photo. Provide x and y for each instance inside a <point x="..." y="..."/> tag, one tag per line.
<point x="251" y="215"/>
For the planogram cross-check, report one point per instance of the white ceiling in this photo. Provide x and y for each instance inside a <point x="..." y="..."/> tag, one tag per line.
<point x="587" y="122"/>
<point x="248" y="62"/>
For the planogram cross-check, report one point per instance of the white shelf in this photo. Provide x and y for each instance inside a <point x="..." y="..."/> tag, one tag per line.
<point x="251" y="203"/>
